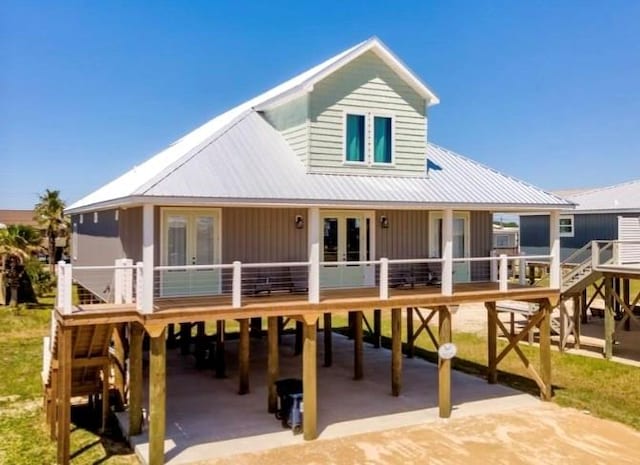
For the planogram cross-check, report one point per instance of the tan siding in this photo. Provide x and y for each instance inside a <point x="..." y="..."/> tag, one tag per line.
<point x="407" y="235"/>
<point x="131" y="233"/>
<point x="263" y="235"/>
<point x="481" y="242"/>
<point x="366" y="84"/>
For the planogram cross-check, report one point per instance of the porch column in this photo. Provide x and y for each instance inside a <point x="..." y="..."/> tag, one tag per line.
<point x="309" y="378"/>
<point x="147" y="258"/>
<point x="135" y="379"/>
<point x="447" y="252"/>
<point x="157" y="394"/>
<point x="328" y="339"/>
<point x="554" y="249"/>
<point x="64" y="394"/>
<point x="358" y="346"/>
<point x="314" y="254"/>
<point x="243" y="357"/>
<point x="396" y="351"/>
<point x="272" y="363"/>
<point x="444" y="366"/>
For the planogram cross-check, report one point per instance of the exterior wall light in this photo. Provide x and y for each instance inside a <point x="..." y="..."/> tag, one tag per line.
<point x="384" y="222"/>
<point x="299" y="222"/>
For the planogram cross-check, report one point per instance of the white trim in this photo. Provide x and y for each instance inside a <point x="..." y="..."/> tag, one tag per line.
<point x="573" y="226"/>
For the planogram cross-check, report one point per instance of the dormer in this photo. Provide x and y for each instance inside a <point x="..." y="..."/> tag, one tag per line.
<point x="361" y="112"/>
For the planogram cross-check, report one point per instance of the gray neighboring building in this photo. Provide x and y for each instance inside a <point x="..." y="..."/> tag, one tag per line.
<point x="607" y="213"/>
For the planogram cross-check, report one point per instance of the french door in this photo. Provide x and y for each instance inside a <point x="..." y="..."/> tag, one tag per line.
<point x="190" y="237"/>
<point x="461" y="270"/>
<point x="346" y="237"/>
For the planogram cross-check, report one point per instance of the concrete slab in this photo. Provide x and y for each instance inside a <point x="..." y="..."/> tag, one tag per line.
<point x="206" y="419"/>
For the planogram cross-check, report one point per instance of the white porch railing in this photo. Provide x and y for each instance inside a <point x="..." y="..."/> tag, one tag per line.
<point x="232" y="283"/>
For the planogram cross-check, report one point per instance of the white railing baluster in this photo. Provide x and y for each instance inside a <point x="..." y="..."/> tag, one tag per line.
<point x="504" y="273"/>
<point x="384" y="279"/>
<point x="139" y="285"/>
<point x="236" y="285"/>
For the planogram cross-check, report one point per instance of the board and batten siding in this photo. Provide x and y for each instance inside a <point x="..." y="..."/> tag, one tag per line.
<point x="534" y="232"/>
<point x="254" y="235"/>
<point x="629" y="230"/>
<point x="406" y="237"/>
<point x="480" y="243"/>
<point x="366" y="83"/>
<point x="103" y="241"/>
<point x="292" y="120"/>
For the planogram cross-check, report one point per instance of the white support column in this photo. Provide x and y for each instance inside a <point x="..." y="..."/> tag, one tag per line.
<point x="147" y="258"/>
<point x="60" y="285"/>
<point x="236" y="285"/>
<point x="123" y="281"/>
<point x="504" y="273"/>
<point x="595" y="254"/>
<point x="68" y="289"/>
<point x="554" y="249"/>
<point x="447" y="252"/>
<point x="314" y="254"/>
<point x="494" y="267"/>
<point x="384" y="279"/>
<point x="522" y="273"/>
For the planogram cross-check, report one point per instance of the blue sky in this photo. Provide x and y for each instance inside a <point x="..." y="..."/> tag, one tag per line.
<point x="545" y="91"/>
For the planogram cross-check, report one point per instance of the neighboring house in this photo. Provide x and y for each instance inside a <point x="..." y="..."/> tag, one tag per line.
<point x="506" y="239"/>
<point x="25" y="217"/>
<point x="605" y="214"/>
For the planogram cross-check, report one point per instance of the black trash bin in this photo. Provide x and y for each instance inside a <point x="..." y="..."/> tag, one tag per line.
<point x="289" y="410"/>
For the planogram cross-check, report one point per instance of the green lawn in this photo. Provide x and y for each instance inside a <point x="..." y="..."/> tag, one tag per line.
<point x="24" y="434"/>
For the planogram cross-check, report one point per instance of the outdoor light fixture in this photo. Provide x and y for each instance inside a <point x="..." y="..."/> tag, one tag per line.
<point x="299" y="222"/>
<point x="384" y="222"/>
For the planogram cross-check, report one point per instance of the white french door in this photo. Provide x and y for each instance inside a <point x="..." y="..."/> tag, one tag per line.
<point x="461" y="242"/>
<point x="190" y="237"/>
<point x="346" y="237"/>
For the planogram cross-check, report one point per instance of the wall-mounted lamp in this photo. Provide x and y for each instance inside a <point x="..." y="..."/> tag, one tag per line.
<point x="299" y="222"/>
<point x="384" y="222"/>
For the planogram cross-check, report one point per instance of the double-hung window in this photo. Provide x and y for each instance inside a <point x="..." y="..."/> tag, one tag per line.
<point x="356" y="142"/>
<point x="566" y="226"/>
<point x="382" y="139"/>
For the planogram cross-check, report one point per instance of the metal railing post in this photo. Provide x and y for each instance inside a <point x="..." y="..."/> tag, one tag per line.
<point x="504" y="273"/>
<point x="384" y="279"/>
<point x="236" y="285"/>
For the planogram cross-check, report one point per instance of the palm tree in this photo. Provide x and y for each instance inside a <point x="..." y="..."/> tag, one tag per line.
<point x="49" y="213"/>
<point x="17" y="243"/>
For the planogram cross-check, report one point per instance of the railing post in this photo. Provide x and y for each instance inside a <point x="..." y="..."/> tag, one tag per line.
<point x="447" y="252"/>
<point x="615" y="254"/>
<point x="68" y="289"/>
<point x="118" y="282"/>
<point x="236" y="285"/>
<point x="494" y="267"/>
<point x="504" y="273"/>
<point x="60" y="285"/>
<point x="139" y="285"/>
<point x="522" y="274"/>
<point x="147" y="257"/>
<point x="555" y="277"/>
<point x="314" y="255"/>
<point x="384" y="279"/>
<point x="595" y="254"/>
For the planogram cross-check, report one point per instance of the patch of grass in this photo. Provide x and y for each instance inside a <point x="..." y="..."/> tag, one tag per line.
<point x="606" y="389"/>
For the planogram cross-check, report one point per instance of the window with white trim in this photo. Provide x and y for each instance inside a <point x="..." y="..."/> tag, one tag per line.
<point x="368" y="138"/>
<point x="566" y="226"/>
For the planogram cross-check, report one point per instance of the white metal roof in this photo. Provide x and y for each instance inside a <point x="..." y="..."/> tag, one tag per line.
<point x="251" y="162"/>
<point x="617" y="198"/>
<point x="126" y="184"/>
<point x="238" y="157"/>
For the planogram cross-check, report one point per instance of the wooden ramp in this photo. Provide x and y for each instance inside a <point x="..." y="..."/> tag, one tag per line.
<point x="77" y="364"/>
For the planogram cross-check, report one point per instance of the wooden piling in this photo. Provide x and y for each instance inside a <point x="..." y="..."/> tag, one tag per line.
<point x="64" y="395"/>
<point x="358" y="347"/>
<point x="492" y="342"/>
<point x="377" y="328"/>
<point x="396" y="351"/>
<point x="410" y="340"/>
<point x="243" y="357"/>
<point x="328" y="339"/>
<point x="309" y="379"/>
<point x="272" y="363"/>
<point x="444" y="366"/>
<point x="135" y="379"/>
<point x="157" y="394"/>
<point x="221" y="366"/>
<point x="545" y="351"/>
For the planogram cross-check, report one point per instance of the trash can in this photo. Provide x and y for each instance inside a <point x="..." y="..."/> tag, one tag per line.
<point x="289" y="410"/>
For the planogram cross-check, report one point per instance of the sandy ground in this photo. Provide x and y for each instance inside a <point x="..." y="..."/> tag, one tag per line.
<point x="543" y="435"/>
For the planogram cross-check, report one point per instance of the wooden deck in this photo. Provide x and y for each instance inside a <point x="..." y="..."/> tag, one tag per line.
<point x="187" y="309"/>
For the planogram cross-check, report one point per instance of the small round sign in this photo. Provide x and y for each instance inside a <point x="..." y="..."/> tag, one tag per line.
<point x="447" y="351"/>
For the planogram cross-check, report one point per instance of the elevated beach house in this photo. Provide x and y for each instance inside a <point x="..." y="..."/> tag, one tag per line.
<point x="321" y="195"/>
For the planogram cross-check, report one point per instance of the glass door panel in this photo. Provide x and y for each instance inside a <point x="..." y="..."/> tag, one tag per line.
<point x="330" y="240"/>
<point x="204" y="282"/>
<point x="176" y="255"/>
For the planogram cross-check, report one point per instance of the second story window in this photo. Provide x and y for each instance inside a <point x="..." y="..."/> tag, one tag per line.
<point x="355" y="143"/>
<point x="382" y="139"/>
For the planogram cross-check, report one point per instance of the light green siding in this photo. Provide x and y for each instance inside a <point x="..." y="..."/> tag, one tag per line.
<point x="291" y="119"/>
<point x="366" y="84"/>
